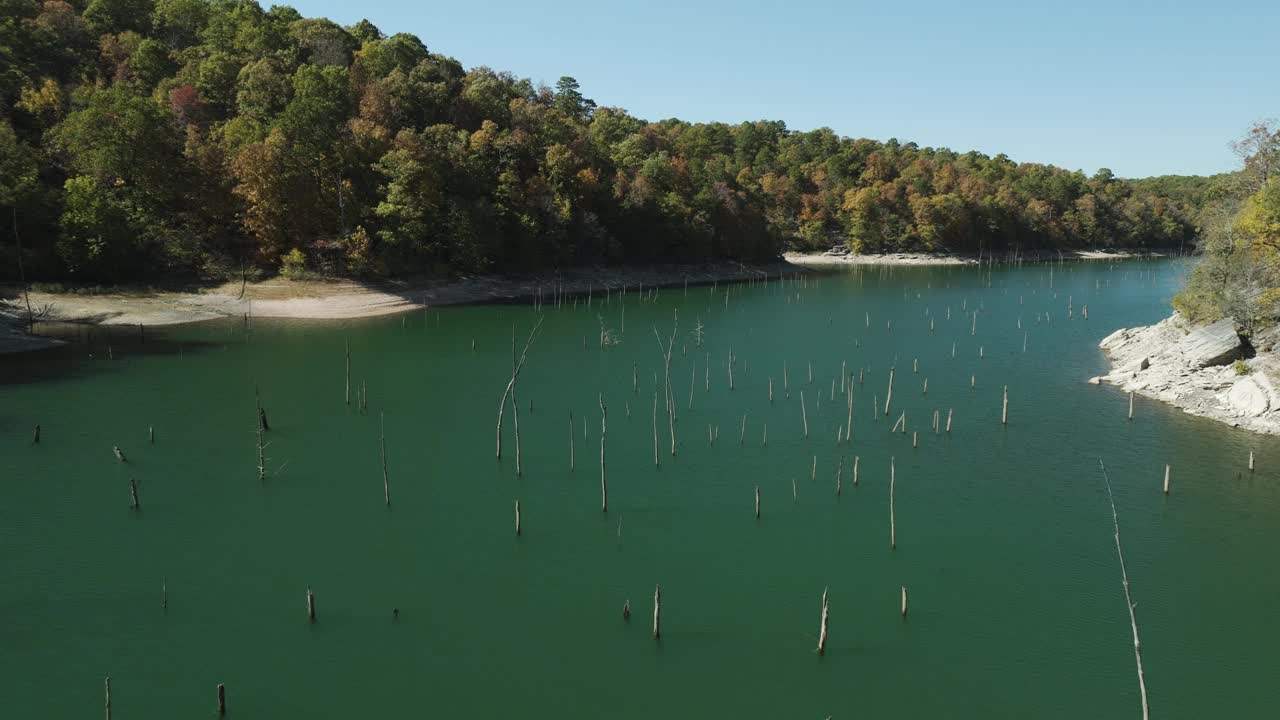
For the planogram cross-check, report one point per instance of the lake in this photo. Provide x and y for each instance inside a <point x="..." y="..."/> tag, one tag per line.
<point x="1003" y="532"/>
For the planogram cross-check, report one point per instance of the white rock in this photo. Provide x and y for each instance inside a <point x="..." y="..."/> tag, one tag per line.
<point x="1247" y="398"/>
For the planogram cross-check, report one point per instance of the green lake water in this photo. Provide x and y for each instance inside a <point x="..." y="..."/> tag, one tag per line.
<point x="1004" y="534"/>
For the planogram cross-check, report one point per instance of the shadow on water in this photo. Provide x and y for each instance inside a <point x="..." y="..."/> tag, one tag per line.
<point x="86" y="347"/>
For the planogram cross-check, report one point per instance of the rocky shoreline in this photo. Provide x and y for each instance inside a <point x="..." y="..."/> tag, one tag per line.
<point x="1209" y="371"/>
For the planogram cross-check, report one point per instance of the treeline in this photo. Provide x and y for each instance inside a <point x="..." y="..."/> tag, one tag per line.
<point x="143" y="138"/>
<point x="1238" y="274"/>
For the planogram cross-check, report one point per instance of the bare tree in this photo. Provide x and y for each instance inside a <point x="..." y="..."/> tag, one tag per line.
<point x="1259" y="153"/>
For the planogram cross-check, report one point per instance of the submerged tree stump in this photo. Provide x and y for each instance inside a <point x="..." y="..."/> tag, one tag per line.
<point x="893" y="530"/>
<point x="657" y="612"/>
<point x="822" y="627"/>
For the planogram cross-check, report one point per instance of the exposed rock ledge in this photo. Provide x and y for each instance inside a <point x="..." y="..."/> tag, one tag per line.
<point x="1194" y="368"/>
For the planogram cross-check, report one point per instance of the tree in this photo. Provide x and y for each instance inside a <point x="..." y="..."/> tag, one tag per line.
<point x="17" y="182"/>
<point x="115" y="16"/>
<point x="262" y="90"/>
<point x="179" y="22"/>
<point x="120" y="138"/>
<point x="124" y="156"/>
<point x="323" y="42"/>
<point x="1259" y="153"/>
<point x="377" y="58"/>
<point x="569" y="100"/>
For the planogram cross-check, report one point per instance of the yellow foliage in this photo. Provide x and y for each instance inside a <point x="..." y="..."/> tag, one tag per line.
<point x="44" y="102"/>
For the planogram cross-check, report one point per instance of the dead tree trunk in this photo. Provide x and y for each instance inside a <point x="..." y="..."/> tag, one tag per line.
<point x="804" y="415"/>
<point x="889" y="396"/>
<point x="657" y="611"/>
<point x="1124" y="576"/>
<point x="516" y="367"/>
<point x="822" y="628"/>
<point x="382" y="450"/>
<point x="893" y="530"/>
<point x="669" y="397"/>
<point x="604" y="486"/>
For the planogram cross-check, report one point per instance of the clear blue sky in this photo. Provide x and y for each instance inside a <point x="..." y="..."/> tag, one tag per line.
<point x="1141" y="87"/>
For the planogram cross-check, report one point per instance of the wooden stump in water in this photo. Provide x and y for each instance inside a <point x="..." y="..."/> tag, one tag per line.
<point x="893" y="530"/>
<point x="804" y="415"/>
<point x="657" y="611"/>
<point x="822" y="628"/>
<point x="262" y="461"/>
<point x="888" y="397"/>
<point x="604" y="487"/>
<point x="382" y="448"/>
<point x="656" y="461"/>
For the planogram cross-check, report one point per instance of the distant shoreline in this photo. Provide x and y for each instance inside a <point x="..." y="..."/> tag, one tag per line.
<point x="844" y="259"/>
<point x="349" y="299"/>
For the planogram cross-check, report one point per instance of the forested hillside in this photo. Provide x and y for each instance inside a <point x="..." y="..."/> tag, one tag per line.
<point x="183" y="138"/>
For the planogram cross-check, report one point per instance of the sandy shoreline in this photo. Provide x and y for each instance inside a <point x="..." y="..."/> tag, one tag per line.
<point x="347" y="299"/>
<point x="343" y="299"/>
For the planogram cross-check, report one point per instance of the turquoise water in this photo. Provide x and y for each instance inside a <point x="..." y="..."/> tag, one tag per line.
<point x="1004" y="535"/>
